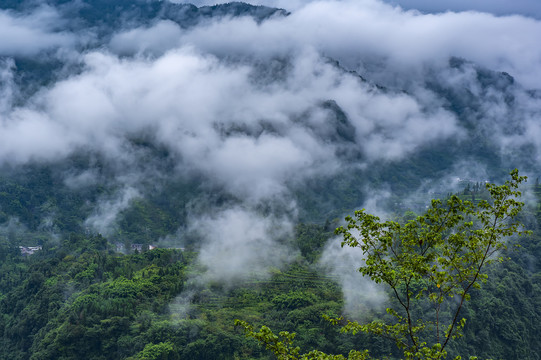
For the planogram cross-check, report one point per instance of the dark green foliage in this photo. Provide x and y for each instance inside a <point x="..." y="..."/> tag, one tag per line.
<point x="310" y="239"/>
<point x="77" y="300"/>
<point x="36" y="200"/>
<point x="504" y="317"/>
<point x="431" y="264"/>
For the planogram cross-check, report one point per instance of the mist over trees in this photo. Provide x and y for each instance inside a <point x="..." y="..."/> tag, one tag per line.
<point x="235" y="137"/>
<point x="430" y="264"/>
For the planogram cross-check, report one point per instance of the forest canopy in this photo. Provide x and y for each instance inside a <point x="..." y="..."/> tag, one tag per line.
<point x="430" y="264"/>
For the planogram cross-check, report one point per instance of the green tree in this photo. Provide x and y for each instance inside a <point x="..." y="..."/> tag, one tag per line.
<point x="161" y="351"/>
<point x="430" y="264"/>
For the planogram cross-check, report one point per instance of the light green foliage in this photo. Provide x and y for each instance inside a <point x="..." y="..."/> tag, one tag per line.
<point x="282" y="345"/>
<point x="161" y="351"/>
<point x="435" y="257"/>
<point x="293" y="300"/>
<point x="430" y="264"/>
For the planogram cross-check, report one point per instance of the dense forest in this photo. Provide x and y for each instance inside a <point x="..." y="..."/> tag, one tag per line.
<point x="78" y="297"/>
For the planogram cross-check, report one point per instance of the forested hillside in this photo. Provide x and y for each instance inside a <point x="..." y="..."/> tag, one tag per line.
<point x="78" y="297"/>
<point x="167" y="168"/>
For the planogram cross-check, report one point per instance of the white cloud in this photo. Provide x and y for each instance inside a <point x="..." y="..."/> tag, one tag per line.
<point x="498" y="7"/>
<point x="29" y="34"/>
<point x="218" y="120"/>
<point x="240" y="243"/>
<point x="242" y="104"/>
<point x="28" y="135"/>
<point x="360" y="293"/>
<point x="105" y="215"/>
<point x="356" y="32"/>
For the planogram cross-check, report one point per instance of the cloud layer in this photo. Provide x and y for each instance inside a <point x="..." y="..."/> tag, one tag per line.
<point x="29" y="34"/>
<point x="258" y="109"/>
<point x="530" y="8"/>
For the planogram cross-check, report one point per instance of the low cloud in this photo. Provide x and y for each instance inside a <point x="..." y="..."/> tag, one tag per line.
<point x="105" y="214"/>
<point x="258" y="109"/>
<point x="27" y="35"/>
<point x="358" y="33"/>
<point x="361" y="295"/>
<point x="239" y="243"/>
<point x="530" y="8"/>
<point x="250" y="137"/>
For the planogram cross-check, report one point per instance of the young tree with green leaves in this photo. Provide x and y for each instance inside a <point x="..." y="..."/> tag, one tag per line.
<point x="430" y="264"/>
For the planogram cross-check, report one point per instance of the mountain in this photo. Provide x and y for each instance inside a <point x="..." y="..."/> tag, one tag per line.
<point x="241" y="134"/>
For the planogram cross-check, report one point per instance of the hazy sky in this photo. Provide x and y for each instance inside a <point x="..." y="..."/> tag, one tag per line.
<point x="499" y="7"/>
